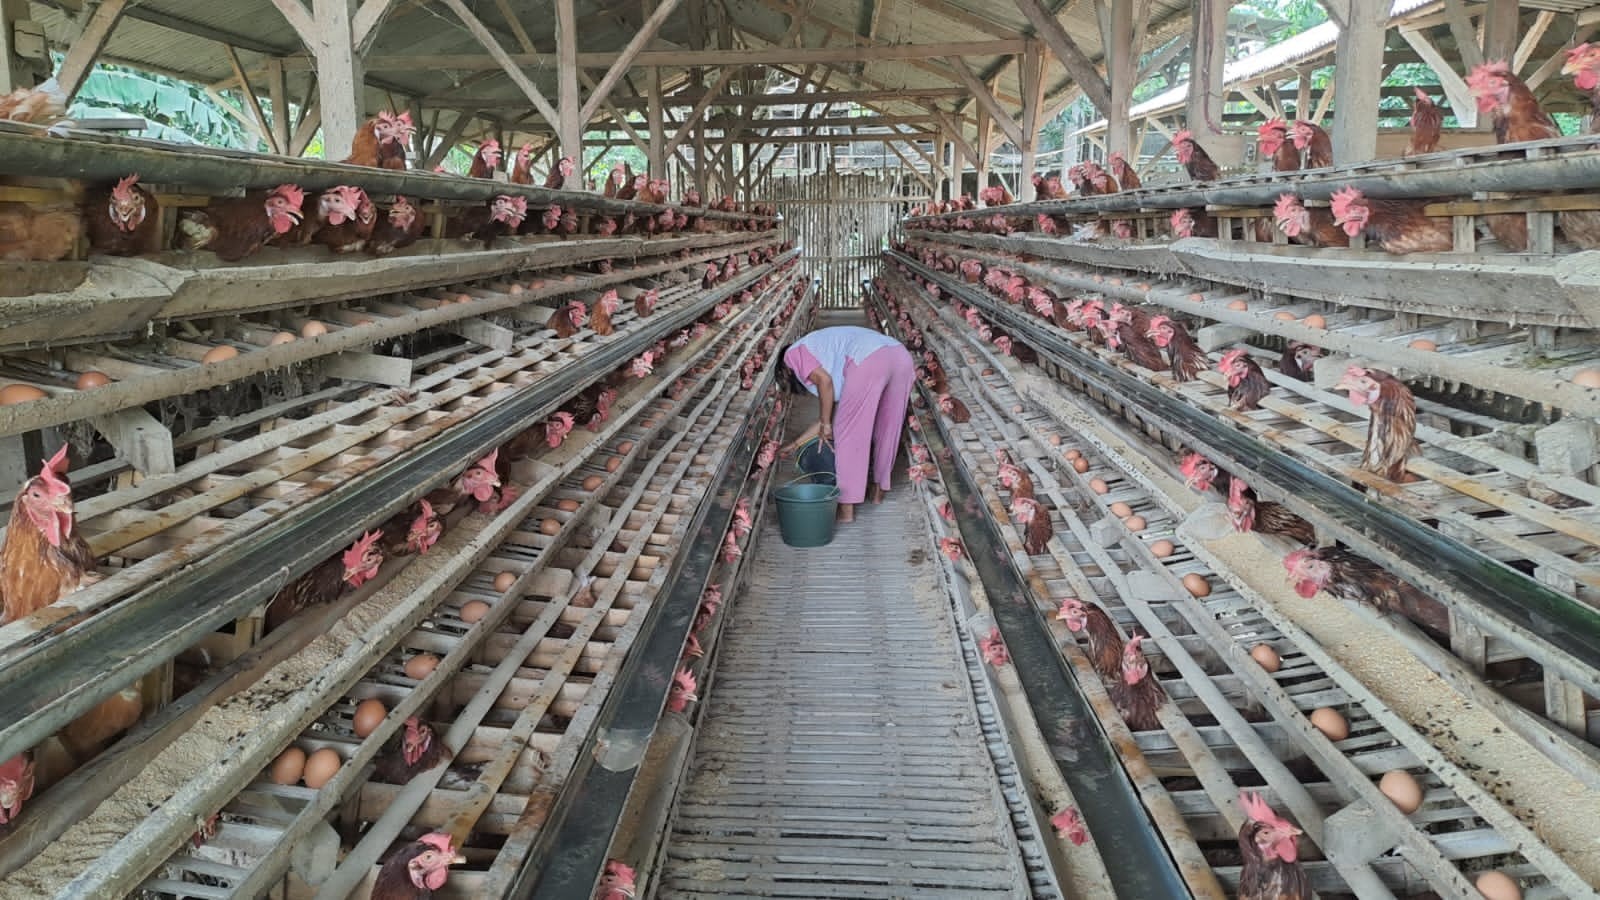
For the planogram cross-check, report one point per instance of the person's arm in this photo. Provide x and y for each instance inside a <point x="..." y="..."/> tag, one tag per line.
<point x="824" y="383"/>
<point x="806" y="435"/>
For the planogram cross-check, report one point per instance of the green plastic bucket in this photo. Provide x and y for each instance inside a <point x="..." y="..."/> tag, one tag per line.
<point x="806" y="513"/>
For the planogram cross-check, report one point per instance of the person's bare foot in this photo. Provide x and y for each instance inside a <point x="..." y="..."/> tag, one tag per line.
<point x="847" y="513"/>
<point x="875" y="496"/>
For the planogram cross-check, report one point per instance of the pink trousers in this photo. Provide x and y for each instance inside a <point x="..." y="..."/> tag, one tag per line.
<point x="871" y="413"/>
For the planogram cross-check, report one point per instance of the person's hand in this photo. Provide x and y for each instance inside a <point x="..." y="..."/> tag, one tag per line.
<point x="825" y="431"/>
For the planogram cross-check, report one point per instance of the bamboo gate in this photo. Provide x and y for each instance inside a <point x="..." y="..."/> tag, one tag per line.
<point x="841" y="222"/>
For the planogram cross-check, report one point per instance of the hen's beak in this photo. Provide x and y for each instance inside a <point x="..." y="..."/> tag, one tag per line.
<point x="1572" y="65"/>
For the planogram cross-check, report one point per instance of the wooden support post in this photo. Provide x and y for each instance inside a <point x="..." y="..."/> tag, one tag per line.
<point x="1073" y="59"/>
<point x="1500" y="27"/>
<point x="568" y="111"/>
<point x="1358" y="73"/>
<point x="339" y="78"/>
<point x="278" y="93"/>
<point x="1125" y="46"/>
<point x="941" y="151"/>
<point x="658" y="139"/>
<point x="701" y="170"/>
<point x="1208" y="46"/>
<point x="1466" y="37"/>
<point x="139" y="438"/>
<point x="956" y="162"/>
<point x="1032" y="78"/>
<point x="86" y="49"/>
<point x="1563" y="704"/>
<point x="16" y="71"/>
<point x="981" y="149"/>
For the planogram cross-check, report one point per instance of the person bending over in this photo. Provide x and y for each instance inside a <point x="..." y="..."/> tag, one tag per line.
<point x="862" y="381"/>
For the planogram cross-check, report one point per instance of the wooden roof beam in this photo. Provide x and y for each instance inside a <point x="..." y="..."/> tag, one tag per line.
<point x="971" y="20"/>
<point x="690" y="58"/>
<point x="645" y="34"/>
<point x="953" y="127"/>
<point x="882" y="49"/>
<point x="569" y="126"/>
<point x="86" y="49"/>
<point x="1454" y="86"/>
<point x="498" y="56"/>
<point x="1077" y="64"/>
<point x="699" y="110"/>
<point x="510" y="15"/>
<point x="364" y="27"/>
<point x="980" y="93"/>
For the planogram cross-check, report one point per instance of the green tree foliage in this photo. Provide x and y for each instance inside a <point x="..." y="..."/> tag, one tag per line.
<point x="173" y="110"/>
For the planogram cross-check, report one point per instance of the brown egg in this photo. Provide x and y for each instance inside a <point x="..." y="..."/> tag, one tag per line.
<point x="593" y="482"/>
<point x="1099" y="486"/>
<point x="1016" y="407"/>
<point x="218" y="354"/>
<point x="321" y="766"/>
<point x="1402" y="790"/>
<point x="1197" y="585"/>
<point x="282" y="337"/>
<point x="1055" y="441"/>
<point x="473" y="610"/>
<point x="1315" y="321"/>
<point x="463" y="298"/>
<point x="369" y="715"/>
<point x="1121" y="510"/>
<point x="515" y="288"/>
<point x="1589" y="378"/>
<point x="1330" y="723"/>
<point x="1197" y="297"/>
<point x="1135" y="524"/>
<point x="1114" y="281"/>
<point x="987" y="371"/>
<point x="313" y="329"/>
<point x="1238" y="305"/>
<point x="504" y="581"/>
<point x="551" y="527"/>
<point x="1073" y="454"/>
<point x="92" y="380"/>
<point x="625" y="447"/>
<point x="1080" y="465"/>
<point x="1495" y="885"/>
<point x="288" y="767"/>
<point x="1423" y="344"/>
<point x="1283" y="315"/>
<point x="613" y="463"/>
<point x="20" y="393"/>
<point x="1162" y="549"/>
<point x="1266" y="657"/>
<point x="421" y="666"/>
<point x="568" y="505"/>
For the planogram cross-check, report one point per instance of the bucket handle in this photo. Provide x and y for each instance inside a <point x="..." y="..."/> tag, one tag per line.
<point x="805" y="476"/>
